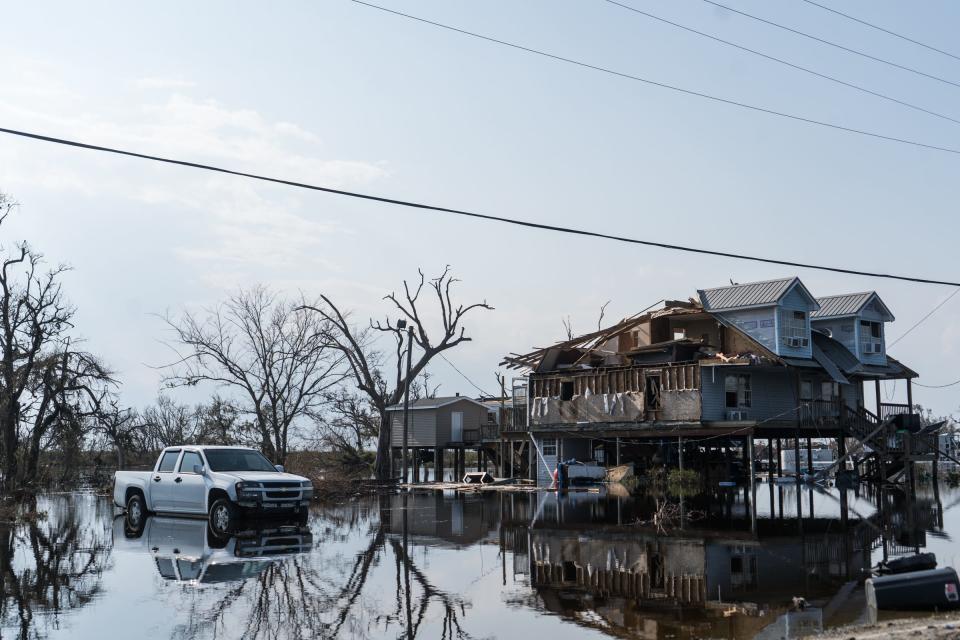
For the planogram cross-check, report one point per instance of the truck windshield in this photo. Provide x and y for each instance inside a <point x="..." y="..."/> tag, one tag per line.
<point x="237" y="460"/>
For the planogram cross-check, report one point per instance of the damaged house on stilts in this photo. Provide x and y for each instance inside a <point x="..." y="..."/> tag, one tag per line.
<point x="696" y="382"/>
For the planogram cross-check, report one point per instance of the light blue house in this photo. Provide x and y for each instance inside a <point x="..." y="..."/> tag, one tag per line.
<point x="775" y="313"/>
<point x="855" y="320"/>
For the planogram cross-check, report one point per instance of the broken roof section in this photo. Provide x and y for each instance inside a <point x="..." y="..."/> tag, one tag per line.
<point x="850" y="304"/>
<point x="602" y="344"/>
<point x="750" y="295"/>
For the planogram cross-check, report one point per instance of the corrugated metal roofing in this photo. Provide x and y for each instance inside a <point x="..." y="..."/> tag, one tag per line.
<point x="839" y="354"/>
<point x="433" y="403"/>
<point x="753" y="294"/>
<point x="847" y="304"/>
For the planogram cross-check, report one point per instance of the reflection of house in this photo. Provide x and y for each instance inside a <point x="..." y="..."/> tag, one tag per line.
<point x="765" y="359"/>
<point x="457" y="519"/>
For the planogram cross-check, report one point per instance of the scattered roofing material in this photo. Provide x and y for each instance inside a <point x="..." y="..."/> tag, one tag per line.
<point x="749" y="295"/>
<point x="849" y="304"/>
<point x="592" y="343"/>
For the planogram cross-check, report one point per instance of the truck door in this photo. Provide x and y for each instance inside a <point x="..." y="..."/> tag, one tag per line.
<point x="189" y="488"/>
<point x="161" y="483"/>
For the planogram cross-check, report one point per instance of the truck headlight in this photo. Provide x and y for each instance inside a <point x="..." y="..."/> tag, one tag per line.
<point x="248" y="489"/>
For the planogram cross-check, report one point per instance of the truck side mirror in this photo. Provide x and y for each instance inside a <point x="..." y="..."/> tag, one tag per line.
<point x="198" y="469"/>
<point x="278" y="467"/>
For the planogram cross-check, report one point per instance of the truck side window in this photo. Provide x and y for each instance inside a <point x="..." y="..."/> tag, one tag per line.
<point x="168" y="461"/>
<point x="190" y="458"/>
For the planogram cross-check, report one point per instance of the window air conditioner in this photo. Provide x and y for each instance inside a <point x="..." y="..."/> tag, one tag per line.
<point x="738" y="416"/>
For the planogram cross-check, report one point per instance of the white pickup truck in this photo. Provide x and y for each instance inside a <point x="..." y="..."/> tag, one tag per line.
<point x="222" y="483"/>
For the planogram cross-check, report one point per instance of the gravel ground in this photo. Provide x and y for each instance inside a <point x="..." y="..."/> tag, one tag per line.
<point x="941" y="627"/>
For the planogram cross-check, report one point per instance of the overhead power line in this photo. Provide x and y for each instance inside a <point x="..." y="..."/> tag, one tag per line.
<point x="662" y="85"/>
<point x="924" y="318"/>
<point x="785" y="62"/>
<point x="833" y="44"/>
<point x="937" y="386"/>
<point x="465" y="377"/>
<point x="469" y="214"/>
<point x="879" y="28"/>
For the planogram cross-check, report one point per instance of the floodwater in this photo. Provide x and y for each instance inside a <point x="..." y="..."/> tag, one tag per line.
<point x="482" y="565"/>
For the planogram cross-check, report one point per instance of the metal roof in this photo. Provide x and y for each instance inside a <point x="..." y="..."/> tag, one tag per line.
<point x="752" y="294"/>
<point x="847" y="304"/>
<point x="434" y="403"/>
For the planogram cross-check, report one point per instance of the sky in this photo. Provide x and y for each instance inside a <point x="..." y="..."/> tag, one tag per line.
<point x="342" y="95"/>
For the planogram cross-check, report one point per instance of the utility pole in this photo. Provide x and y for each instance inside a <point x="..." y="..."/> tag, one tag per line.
<point x="406" y="396"/>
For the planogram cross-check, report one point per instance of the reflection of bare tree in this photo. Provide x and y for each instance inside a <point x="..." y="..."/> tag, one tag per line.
<point x="52" y="565"/>
<point x="327" y="596"/>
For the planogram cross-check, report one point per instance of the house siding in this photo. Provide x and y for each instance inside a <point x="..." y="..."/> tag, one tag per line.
<point x="872" y="314"/>
<point x="794" y="301"/>
<point x="843" y="330"/>
<point x="422" y="431"/>
<point x="759" y="324"/>
<point x="773" y="391"/>
<point x="431" y="427"/>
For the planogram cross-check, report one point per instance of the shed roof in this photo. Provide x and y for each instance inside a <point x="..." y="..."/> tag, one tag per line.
<point x="749" y="295"/>
<point x="434" y="403"/>
<point x="848" y="304"/>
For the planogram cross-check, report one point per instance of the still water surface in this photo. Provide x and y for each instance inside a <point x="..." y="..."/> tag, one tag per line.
<point x="486" y="565"/>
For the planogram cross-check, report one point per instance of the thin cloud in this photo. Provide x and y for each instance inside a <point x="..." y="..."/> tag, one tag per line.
<point x="157" y="82"/>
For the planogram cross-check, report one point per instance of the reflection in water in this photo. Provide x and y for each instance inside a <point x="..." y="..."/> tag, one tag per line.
<point x="52" y="564"/>
<point x="436" y="565"/>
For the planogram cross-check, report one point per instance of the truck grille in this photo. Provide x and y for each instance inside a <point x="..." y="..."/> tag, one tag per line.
<point x="281" y="485"/>
<point x="283" y="494"/>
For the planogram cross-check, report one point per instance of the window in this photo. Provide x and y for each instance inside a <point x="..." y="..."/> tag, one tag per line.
<point x="806" y="390"/>
<point x="737" y="391"/>
<point x="766" y="324"/>
<point x="237" y="460"/>
<point x="871" y="336"/>
<point x="827" y="390"/>
<point x="749" y="324"/>
<point x="168" y="461"/>
<point x="793" y="328"/>
<point x="190" y="458"/>
<point x="165" y="567"/>
<point x="566" y="389"/>
<point x="679" y="333"/>
<point x="549" y="448"/>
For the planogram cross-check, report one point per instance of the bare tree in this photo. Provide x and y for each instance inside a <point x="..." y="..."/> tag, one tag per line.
<point x="68" y="389"/>
<point x="367" y="364"/>
<point x="348" y="424"/>
<point x="277" y="356"/>
<point x="33" y="318"/>
<point x="168" y="423"/>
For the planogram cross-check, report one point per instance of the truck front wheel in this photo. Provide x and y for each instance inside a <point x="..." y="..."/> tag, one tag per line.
<point x="223" y="515"/>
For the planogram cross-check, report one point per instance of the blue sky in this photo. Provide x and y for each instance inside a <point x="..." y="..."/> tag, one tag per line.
<point x="343" y="95"/>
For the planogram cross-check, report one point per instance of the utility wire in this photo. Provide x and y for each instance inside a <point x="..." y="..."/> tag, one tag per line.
<point x="464" y="376"/>
<point x="662" y="85"/>
<point x="785" y="62"/>
<point x="937" y="386"/>
<point x="832" y="44"/>
<point x="879" y="28"/>
<point x="923" y="319"/>
<point x="472" y="214"/>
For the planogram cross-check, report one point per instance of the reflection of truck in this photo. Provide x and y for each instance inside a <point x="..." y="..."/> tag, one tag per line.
<point x="183" y="551"/>
<point x="220" y="482"/>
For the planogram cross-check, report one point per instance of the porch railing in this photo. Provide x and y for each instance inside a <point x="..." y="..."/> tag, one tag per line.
<point x="490" y="432"/>
<point x="888" y="409"/>
<point x="818" y="412"/>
